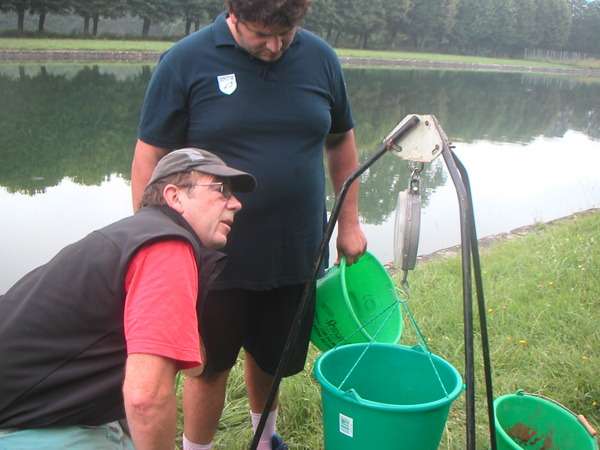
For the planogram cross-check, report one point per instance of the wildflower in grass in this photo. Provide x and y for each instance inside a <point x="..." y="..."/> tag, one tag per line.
<point x="585" y="358"/>
<point x="550" y="283"/>
<point x="504" y="306"/>
<point x="490" y="310"/>
<point x="509" y="339"/>
<point x="594" y="403"/>
<point x="522" y="341"/>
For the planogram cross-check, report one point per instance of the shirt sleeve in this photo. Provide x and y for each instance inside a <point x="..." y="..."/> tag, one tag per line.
<point x="164" y="117"/>
<point x="160" y="315"/>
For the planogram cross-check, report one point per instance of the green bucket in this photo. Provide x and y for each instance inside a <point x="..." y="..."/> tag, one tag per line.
<point x="392" y="398"/>
<point x="528" y="422"/>
<point x="360" y="297"/>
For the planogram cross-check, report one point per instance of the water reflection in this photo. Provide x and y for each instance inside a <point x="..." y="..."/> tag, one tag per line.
<point x="67" y="135"/>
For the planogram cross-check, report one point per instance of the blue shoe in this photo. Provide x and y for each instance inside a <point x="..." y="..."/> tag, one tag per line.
<point x="277" y="443"/>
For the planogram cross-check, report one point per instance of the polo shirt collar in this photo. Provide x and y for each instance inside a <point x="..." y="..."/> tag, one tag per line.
<point x="221" y="31"/>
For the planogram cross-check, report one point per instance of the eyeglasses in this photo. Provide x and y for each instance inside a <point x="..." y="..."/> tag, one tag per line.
<point x="226" y="191"/>
<point x="262" y="34"/>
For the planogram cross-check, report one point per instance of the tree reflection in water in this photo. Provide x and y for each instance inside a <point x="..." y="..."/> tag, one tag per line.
<point x="76" y="125"/>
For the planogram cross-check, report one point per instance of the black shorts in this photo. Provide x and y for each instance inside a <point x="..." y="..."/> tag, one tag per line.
<point x="259" y="322"/>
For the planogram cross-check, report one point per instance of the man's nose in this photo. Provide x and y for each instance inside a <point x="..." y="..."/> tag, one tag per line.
<point x="274" y="43"/>
<point x="234" y="203"/>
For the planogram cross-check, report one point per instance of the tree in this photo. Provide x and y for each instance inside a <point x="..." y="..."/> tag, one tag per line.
<point x="44" y="7"/>
<point x="322" y="18"/>
<point x="155" y="11"/>
<point x="84" y="8"/>
<point x="527" y="31"/>
<point x="359" y="18"/>
<point x="192" y="13"/>
<point x="395" y="13"/>
<point x="107" y="9"/>
<point x="431" y="20"/>
<point x="20" y="7"/>
<point x="370" y="21"/>
<point x="468" y="31"/>
<point x="498" y="29"/>
<point x="586" y="26"/>
<point x="554" y="22"/>
<point x="196" y="10"/>
<point x="92" y="10"/>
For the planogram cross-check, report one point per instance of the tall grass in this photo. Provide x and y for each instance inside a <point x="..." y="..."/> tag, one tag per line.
<point x="543" y="315"/>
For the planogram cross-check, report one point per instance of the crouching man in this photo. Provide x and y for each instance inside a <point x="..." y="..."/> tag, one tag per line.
<point x="90" y="342"/>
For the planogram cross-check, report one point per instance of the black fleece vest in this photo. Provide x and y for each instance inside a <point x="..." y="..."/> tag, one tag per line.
<point x="62" y="344"/>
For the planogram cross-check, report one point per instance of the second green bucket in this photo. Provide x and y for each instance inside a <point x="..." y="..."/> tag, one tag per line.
<point x="357" y="301"/>
<point x="524" y="421"/>
<point x="385" y="397"/>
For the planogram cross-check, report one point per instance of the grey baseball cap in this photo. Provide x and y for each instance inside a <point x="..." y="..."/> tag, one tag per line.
<point x="188" y="159"/>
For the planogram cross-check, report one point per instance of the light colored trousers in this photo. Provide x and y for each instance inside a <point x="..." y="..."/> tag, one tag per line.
<point x="110" y="436"/>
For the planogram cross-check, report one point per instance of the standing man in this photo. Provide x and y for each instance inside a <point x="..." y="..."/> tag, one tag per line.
<point x="268" y="97"/>
<point x="96" y="335"/>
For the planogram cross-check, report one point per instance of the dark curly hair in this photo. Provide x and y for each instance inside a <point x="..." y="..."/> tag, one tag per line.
<point x="281" y="13"/>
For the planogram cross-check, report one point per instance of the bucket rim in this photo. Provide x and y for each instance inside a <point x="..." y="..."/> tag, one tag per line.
<point x="346" y="395"/>
<point x="520" y="395"/>
<point x="348" y="303"/>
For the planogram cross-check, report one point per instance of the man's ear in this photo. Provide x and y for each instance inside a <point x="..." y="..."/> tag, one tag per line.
<point x="232" y="16"/>
<point x="172" y="195"/>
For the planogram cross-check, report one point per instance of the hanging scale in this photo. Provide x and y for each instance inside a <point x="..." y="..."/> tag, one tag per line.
<point x="408" y="221"/>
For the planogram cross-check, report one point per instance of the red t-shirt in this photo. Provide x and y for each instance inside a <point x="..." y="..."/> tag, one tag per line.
<point x="160" y="307"/>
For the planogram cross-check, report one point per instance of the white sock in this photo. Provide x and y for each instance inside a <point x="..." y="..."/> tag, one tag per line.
<point x="187" y="445"/>
<point x="268" y="431"/>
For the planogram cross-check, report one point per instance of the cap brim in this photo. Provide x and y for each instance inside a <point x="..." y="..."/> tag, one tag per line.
<point x="240" y="181"/>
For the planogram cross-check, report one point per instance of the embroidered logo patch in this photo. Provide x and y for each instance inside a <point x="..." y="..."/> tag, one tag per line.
<point x="227" y="83"/>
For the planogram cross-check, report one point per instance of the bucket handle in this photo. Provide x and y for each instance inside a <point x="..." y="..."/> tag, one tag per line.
<point x="418" y="331"/>
<point x="580" y="417"/>
<point x="351" y="393"/>
<point x="395" y="303"/>
<point x="391" y="307"/>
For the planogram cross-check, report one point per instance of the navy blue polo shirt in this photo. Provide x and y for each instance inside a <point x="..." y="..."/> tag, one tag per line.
<point x="270" y="119"/>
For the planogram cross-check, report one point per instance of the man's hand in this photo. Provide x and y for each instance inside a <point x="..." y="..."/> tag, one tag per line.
<point x="351" y="243"/>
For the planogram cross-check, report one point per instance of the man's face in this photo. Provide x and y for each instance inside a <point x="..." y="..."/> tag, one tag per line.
<point x="265" y="43"/>
<point x="208" y="210"/>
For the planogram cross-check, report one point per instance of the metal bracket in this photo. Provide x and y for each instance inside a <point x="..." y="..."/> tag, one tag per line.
<point x="423" y="143"/>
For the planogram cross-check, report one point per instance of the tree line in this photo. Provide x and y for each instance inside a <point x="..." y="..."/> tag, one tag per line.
<point x="482" y="27"/>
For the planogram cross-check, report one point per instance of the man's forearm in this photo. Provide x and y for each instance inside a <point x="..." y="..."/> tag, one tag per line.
<point x="150" y="402"/>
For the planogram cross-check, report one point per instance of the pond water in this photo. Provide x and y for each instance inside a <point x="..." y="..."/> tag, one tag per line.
<point x="530" y="144"/>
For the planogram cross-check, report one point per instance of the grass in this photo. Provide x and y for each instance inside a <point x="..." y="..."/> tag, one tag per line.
<point x="26" y="44"/>
<point x="83" y="45"/>
<point x="543" y="310"/>
<point x="438" y="57"/>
